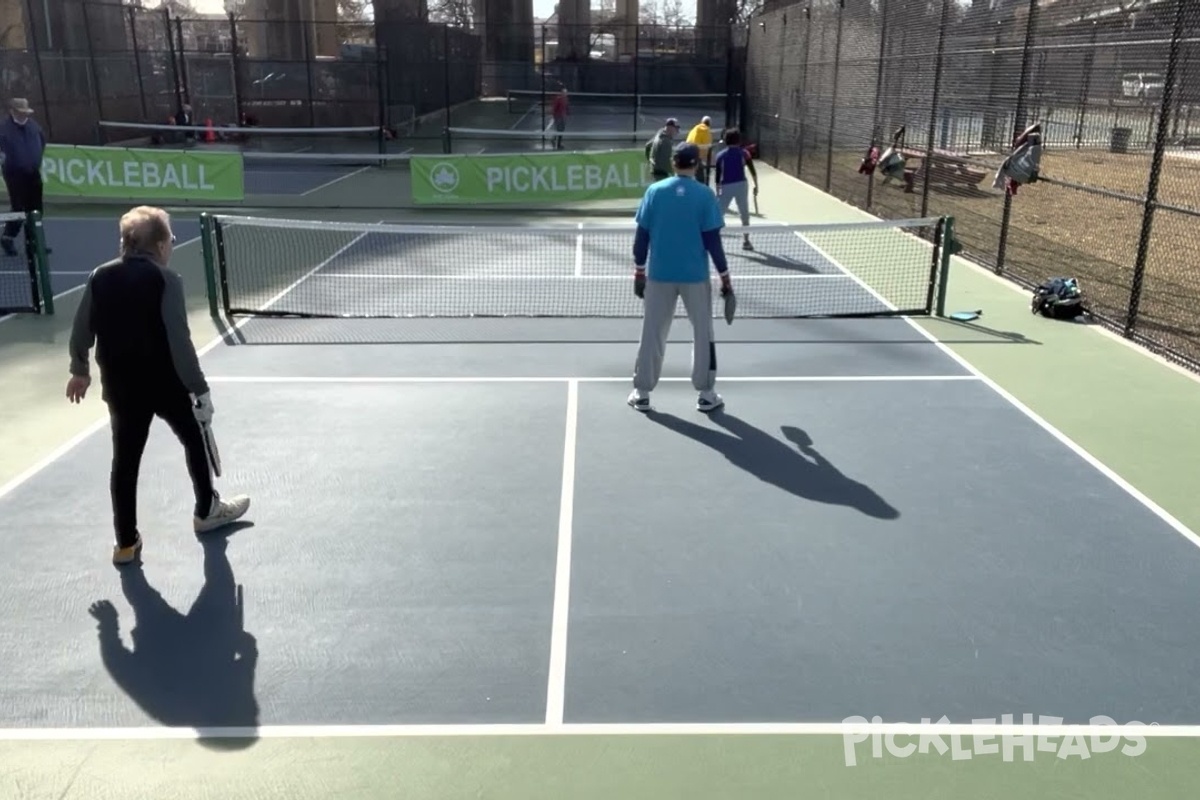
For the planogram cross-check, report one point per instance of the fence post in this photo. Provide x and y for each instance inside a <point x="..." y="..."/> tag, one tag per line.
<point x="308" y="59"/>
<point x="447" y="96"/>
<point x="837" y="63"/>
<point x="91" y="52"/>
<point x="35" y="49"/>
<point x="382" y="94"/>
<point x="1018" y="127"/>
<point x="187" y="82"/>
<point x="542" y="74"/>
<point x="137" y="61"/>
<point x="234" y="47"/>
<point x="1156" y="163"/>
<point x="804" y="90"/>
<point x="875" y="133"/>
<point x="176" y="57"/>
<point x="933" y="108"/>
<point x="637" y="74"/>
<point x="1085" y="88"/>
<point x="780" y="96"/>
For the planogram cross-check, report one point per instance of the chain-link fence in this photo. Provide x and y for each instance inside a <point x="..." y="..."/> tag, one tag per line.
<point x="1114" y="86"/>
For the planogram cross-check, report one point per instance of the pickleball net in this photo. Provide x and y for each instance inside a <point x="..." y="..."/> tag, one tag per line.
<point x="303" y="268"/>
<point x="24" y="277"/>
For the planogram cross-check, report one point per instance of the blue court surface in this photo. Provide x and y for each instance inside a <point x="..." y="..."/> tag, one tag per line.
<point x="473" y="533"/>
<point x="78" y="245"/>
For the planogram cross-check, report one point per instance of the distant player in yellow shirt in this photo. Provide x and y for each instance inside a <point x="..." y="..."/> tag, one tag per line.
<point x="701" y="136"/>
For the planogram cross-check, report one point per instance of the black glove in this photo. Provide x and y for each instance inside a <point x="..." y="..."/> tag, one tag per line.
<point x="639" y="283"/>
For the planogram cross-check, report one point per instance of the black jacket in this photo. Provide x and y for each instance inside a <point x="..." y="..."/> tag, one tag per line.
<point x="133" y="311"/>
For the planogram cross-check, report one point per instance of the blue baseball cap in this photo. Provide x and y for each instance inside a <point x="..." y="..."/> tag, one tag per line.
<point x="686" y="155"/>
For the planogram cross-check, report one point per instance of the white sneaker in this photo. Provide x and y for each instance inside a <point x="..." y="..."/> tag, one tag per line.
<point x="709" y="401"/>
<point x="223" y="512"/>
<point x="639" y="401"/>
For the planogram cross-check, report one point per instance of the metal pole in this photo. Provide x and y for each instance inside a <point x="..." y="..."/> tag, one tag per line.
<point x="448" y="98"/>
<point x="933" y="110"/>
<point x="804" y="89"/>
<point x="1018" y="126"/>
<point x="91" y="51"/>
<point x="637" y="70"/>
<point x="187" y="81"/>
<point x="175" y="58"/>
<point x="779" y="109"/>
<point x="837" y="62"/>
<point x="234" y="47"/>
<point x="308" y="59"/>
<point x="1156" y="164"/>
<point x="137" y="60"/>
<point x="1085" y="88"/>
<point x="382" y="92"/>
<point x="35" y="50"/>
<point x="875" y="133"/>
<point x="542" y="99"/>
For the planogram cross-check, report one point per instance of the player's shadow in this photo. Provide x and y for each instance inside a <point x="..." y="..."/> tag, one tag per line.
<point x="776" y="262"/>
<point x="193" y="670"/>
<point x="802" y="471"/>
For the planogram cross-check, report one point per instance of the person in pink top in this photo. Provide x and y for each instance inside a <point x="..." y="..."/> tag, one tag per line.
<point x="559" y="111"/>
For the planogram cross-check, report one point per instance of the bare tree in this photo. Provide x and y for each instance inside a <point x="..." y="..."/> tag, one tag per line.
<point x="457" y="13"/>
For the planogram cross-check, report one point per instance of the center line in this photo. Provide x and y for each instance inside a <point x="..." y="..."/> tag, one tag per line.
<point x="556" y="690"/>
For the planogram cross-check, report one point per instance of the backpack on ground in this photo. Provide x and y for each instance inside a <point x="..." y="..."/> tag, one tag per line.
<point x="1058" y="298"/>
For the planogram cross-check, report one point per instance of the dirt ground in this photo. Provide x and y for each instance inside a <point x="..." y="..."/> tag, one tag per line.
<point x="1060" y="230"/>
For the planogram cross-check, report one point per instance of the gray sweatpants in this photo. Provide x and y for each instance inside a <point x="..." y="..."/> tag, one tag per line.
<point x="660" y="303"/>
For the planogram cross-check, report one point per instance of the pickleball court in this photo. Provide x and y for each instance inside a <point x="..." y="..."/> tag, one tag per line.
<point x="458" y="521"/>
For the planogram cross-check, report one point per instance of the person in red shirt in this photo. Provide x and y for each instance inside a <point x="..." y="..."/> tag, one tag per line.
<point x="559" y="110"/>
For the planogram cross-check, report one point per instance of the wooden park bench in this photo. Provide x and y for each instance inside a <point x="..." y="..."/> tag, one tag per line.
<point x="946" y="169"/>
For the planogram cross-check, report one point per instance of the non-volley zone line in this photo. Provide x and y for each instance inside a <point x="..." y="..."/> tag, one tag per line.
<point x="979" y="728"/>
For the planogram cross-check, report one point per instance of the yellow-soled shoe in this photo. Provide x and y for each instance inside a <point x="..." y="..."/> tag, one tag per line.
<point x="127" y="555"/>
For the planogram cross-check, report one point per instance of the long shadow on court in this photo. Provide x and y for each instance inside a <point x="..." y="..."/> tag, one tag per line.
<point x="803" y="471"/>
<point x="193" y="670"/>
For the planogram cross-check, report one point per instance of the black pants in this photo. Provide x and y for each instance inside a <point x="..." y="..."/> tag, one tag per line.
<point x="130" y="429"/>
<point x="24" y="194"/>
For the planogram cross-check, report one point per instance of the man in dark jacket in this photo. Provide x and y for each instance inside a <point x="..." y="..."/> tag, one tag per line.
<point x="22" y="144"/>
<point x="133" y="310"/>
<point x="660" y="148"/>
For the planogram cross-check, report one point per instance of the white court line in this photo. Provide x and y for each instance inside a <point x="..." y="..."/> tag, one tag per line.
<point x="52" y="272"/>
<point x="102" y="423"/>
<point x="338" y="179"/>
<point x="556" y="686"/>
<point x="943" y="729"/>
<point x="1071" y="444"/>
<point x="516" y="125"/>
<point x="350" y="379"/>
<point x="579" y="254"/>
<point x="73" y="289"/>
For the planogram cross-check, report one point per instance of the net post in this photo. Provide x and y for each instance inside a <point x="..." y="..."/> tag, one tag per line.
<point x="945" y="251"/>
<point x="221" y="266"/>
<point x="210" y="268"/>
<point x="33" y="224"/>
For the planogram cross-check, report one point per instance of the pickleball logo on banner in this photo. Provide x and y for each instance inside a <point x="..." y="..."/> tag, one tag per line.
<point x="444" y="177"/>
<point x="534" y="178"/>
<point x="141" y="174"/>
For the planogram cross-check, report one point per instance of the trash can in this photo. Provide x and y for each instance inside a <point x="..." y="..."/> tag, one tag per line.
<point x="1120" y="140"/>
